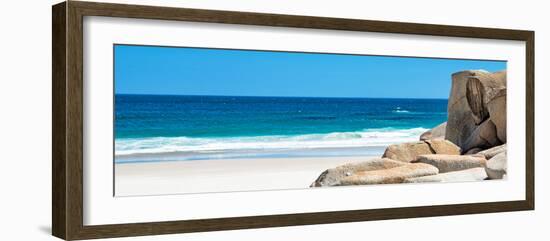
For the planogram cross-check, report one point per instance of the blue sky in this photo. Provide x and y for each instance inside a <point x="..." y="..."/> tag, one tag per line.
<point x="196" y="71"/>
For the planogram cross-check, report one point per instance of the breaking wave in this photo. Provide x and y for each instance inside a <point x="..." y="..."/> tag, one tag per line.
<point x="364" y="138"/>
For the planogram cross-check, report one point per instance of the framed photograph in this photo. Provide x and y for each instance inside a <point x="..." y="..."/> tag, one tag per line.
<point x="170" y="120"/>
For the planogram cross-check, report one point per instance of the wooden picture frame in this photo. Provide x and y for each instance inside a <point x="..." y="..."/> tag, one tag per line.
<point x="67" y="124"/>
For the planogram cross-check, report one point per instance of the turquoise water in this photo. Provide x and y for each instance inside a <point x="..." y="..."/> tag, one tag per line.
<point x="166" y="127"/>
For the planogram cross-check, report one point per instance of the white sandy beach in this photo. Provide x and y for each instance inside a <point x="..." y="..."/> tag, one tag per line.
<point x="222" y="175"/>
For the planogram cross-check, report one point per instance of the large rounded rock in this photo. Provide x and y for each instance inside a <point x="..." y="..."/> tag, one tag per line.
<point x="497" y="110"/>
<point x="460" y="121"/>
<point x="437" y="133"/>
<point x="486" y="96"/>
<point x="439" y="146"/>
<point x="490" y="153"/>
<point x="407" y="152"/>
<point x="333" y="176"/>
<point x="484" y="136"/>
<point x="450" y="163"/>
<point x="496" y="166"/>
<point x="392" y="175"/>
<point x="475" y="97"/>
<point x="468" y="175"/>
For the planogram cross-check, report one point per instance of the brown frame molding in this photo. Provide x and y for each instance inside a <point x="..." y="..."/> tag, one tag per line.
<point x="67" y="121"/>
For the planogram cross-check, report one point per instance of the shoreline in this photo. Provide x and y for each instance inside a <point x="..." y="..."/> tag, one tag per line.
<point x="312" y="139"/>
<point x="342" y="152"/>
<point x="223" y="175"/>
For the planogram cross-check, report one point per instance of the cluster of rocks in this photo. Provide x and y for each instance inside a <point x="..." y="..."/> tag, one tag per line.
<point x="470" y="146"/>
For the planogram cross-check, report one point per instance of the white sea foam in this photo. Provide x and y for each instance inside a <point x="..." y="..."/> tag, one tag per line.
<point x="401" y="111"/>
<point x="365" y="138"/>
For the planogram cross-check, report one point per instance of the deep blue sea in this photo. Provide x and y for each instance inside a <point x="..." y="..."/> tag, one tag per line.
<point x="166" y="127"/>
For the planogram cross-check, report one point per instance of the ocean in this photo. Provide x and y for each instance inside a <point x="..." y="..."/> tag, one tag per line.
<point x="178" y="128"/>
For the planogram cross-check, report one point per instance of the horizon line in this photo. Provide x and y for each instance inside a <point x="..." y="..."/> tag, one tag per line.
<point x="274" y="96"/>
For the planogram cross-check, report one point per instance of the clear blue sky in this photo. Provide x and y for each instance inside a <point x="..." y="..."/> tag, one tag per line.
<point x="195" y="71"/>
